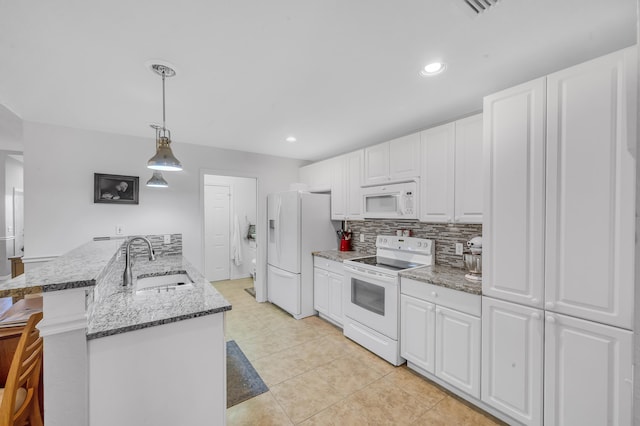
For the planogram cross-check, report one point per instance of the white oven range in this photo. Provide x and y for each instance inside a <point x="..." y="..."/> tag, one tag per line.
<point x="372" y="293"/>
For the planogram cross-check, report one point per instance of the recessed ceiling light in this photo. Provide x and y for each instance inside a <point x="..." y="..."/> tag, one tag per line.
<point x="433" y="69"/>
<point x="291" y="139"/>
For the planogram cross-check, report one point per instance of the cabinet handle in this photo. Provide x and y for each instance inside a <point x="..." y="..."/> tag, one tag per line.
<point x="535" y="316"/>
<point x="550" y="319"/>
<point x="549" y="305"/>
<point x="434" y="294"/>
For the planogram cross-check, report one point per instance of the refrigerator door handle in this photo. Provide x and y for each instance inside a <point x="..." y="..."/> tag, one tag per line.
<point x="278" y="229"/>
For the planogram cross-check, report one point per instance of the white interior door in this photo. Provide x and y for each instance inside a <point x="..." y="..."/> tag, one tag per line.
<point x="18" y="221"/>
<point x="216" y="232"/>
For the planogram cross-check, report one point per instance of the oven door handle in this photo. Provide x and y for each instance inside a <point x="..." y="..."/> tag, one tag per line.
<point x="364" y="273"/>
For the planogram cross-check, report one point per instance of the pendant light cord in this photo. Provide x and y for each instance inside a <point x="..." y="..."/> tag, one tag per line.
<point x="164" y="128"/>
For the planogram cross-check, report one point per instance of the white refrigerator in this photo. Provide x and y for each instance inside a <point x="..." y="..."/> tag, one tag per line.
<point x="299" y="223"/>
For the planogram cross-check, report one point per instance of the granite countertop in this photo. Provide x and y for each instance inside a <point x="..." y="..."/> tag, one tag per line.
<point x="81" y="267"/>
<point x="111" y="308"/>
<point x="117" y="309"/>
<point x="339" y="256"/>
<point x="444" y="276"/>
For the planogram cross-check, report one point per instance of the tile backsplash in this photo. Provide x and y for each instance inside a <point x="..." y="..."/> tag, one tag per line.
<point x="445" y="236"/>
<point x="139" y="248"/>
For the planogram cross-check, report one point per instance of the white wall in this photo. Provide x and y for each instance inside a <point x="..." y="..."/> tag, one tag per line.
<point x="243" y="204"/>
<point x="10" y="130"/>
<point x="59" y="209"/>
<point x="14" y="179"/>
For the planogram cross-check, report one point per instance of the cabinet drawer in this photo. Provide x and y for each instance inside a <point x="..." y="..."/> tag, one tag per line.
<point x="328" y="265"/>
<point x="454" y="299"/>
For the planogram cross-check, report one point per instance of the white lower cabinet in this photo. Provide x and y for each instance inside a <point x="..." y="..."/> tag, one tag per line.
<point x="418" y="332"/>
<point x="328" y="280"/>
<point x="458" y="349"/>
<point x="440" y="333"/>
<point x="587" y="373"/>
<point x="512" y="359"/>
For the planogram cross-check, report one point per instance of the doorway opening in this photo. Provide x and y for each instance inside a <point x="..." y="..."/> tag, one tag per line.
<point x="230" y="217"/>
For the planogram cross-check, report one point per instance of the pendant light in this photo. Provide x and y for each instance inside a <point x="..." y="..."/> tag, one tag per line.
<point x="164" y="159"/>
<point x="157" y="181"/>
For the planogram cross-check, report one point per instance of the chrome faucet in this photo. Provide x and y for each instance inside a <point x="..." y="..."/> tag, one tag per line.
<point x="127" y="276"/>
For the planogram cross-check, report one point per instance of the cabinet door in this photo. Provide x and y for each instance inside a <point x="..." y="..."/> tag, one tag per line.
<point x="283" y="289"/>
<point x="318" y="176"/>
<point x="338" y="188"/>
<point x="468" y="171"/>
<point x="512" y="356"/>
<point x="321" y="290"/>
<point x="335" y="284"/>
<point x="458" y="350"/>
<point x="588" y="373"/>
<point x="376" y="164"/>
<point x="513" y="168"/>
<point x="417" y="332"/>
<point x="591" y="189"/>
<point x="437" y="174"/>
<point x="404" y="157"/>
<point x="353" y="174"/>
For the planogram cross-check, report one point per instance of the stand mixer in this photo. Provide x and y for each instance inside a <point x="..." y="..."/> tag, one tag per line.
<point x="473" y="260"/>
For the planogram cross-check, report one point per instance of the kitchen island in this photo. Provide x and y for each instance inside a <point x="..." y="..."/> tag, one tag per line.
<point x="116" y="356"/>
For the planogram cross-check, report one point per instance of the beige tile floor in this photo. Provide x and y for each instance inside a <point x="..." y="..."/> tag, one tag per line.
<point x="316" y="376"/>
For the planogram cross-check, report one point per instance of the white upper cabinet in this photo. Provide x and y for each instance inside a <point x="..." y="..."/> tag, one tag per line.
<point x="514" y="169"/>
<point x="317" y="176"/>
<point x="588" y="373"/>
<point x="451" y="172"/>
<point x="346" y="198"/>
<point x="437" y="177"/>
<point x="392" y="161"/>
<point x="376" y="164"/>
<point x="353" y="174"/>
<point x="591" y="119"/>
<point x="339" y="188"/>
<point x="468" y="155"/>
<point x="404" y="157"/>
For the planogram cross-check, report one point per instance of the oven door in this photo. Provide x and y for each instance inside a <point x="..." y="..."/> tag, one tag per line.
<point x="371" y="299"/>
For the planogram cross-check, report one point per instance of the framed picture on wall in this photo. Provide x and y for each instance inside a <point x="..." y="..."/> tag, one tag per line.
<point x="115" y="189"/>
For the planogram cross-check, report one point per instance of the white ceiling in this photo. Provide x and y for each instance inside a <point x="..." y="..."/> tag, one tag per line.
<point x="338" y="75"/>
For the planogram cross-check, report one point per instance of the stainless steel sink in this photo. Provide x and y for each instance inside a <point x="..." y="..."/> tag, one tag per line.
<point x="163" y="283"/>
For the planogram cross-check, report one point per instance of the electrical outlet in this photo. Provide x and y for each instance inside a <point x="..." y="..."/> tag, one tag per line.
<point x="459" y="248"/>
<point x="167" y="239"/>
<point x="361" y="237"/>
<point x="119" y="229"/>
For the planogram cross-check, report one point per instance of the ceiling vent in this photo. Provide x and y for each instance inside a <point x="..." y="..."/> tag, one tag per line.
<point x="479" y="6"/>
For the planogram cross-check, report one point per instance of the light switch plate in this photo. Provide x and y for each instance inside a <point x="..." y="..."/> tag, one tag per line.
<point x="361" y="237"/>
<point x="459" y="248"/>
<point x="167" y="239"/>
<point x="119" y="229"/>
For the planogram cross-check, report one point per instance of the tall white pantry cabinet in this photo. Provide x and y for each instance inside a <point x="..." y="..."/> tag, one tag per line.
<point x="558" y="245"/>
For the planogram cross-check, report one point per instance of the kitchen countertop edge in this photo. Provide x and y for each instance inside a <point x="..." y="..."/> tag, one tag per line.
<point x="339" y="256"/>
<point x="444" y="276"/>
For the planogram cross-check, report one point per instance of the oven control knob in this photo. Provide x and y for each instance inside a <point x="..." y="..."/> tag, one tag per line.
<point x="419" y="244"/>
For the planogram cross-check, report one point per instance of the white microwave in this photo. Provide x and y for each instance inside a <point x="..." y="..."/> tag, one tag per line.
<point x="394" y="201"/>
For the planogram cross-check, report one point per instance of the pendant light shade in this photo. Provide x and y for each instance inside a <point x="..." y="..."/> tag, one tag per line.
<point x="157" y="181"/>
<point x="164" y="159"/>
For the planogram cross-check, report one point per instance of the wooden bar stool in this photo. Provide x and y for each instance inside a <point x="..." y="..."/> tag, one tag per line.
<point x="19" y="398"/>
